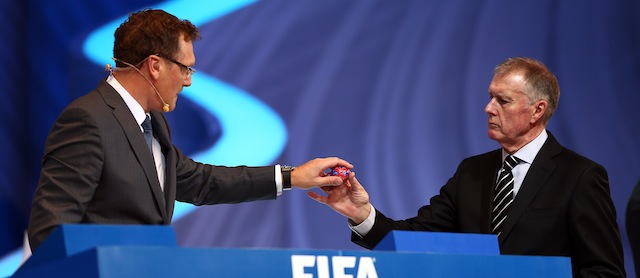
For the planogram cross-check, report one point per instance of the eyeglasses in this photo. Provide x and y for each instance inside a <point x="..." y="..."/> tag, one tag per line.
<point x="189" y="71"/>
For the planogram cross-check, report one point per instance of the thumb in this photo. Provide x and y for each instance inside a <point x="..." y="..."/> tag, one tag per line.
<point x="332" y="180"/>
<point x="353" y="182"/>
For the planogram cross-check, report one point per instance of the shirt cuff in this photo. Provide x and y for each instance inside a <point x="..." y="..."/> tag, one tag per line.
<point x="278" y="175"/>
<point x="363" y="228"/>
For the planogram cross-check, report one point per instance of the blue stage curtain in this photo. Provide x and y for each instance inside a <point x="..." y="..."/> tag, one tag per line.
<point x="398" y="88"/>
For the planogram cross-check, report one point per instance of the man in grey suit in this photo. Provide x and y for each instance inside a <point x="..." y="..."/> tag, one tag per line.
<point x="555" y="203"/>
<point x="100" y="167"/>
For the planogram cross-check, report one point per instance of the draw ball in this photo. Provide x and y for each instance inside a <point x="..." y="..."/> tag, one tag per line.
<point x="341" y="172"/>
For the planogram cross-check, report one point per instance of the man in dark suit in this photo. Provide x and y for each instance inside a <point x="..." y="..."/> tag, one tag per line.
<point x="100" y="167"/>
<point x="555" y="202"/>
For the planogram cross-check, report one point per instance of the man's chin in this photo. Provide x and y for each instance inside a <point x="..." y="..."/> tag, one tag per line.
<point x="492" y="134"/>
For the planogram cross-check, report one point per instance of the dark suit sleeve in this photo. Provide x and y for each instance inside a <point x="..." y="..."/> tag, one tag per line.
<point x="203" y="184"/>
<point x="597" y="247"/>
<point x="438" y="216"/>
<point x="71" y="168"/>
<point x="633" y="225"/>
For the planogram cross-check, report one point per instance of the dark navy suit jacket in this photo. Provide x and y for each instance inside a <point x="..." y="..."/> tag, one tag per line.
<point x="563" y="208"/>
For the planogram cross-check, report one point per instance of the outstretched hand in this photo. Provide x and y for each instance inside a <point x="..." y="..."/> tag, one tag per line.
<point x="349" y="199"/>
<point x="314" y="173"/>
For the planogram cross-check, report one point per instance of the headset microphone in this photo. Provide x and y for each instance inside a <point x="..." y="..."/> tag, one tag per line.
<point x="165" y="106"/>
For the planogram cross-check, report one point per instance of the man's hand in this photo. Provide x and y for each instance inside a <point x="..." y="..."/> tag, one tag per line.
<point x="315" y="173"/>
<point x="349" y="199"/>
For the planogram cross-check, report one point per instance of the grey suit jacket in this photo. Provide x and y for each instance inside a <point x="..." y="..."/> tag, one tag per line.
<point x="97" y="168"/>
<point x="563" y="208"/>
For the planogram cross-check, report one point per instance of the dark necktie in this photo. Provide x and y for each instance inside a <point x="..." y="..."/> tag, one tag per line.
<point x="148" y="132"/>
<point x="503" y="194"/>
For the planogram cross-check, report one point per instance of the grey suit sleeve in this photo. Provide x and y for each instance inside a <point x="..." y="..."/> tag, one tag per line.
<point x="203" y="184"/>
<point x="71" y="167"/>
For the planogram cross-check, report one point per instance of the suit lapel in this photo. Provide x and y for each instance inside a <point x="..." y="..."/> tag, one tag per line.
<point x="538" y="174"/>
<point x="136" y="139"/>
<point x="161" y="131"/>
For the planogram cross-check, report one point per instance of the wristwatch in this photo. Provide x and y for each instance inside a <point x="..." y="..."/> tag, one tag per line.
<point x="286" y="176"/>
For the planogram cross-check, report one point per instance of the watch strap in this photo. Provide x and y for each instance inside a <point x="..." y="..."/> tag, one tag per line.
<point x="286" y="176"/>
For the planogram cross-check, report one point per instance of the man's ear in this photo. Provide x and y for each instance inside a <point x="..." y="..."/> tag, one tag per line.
<point x="539" y="109"/>
<point x="154" y="66"/>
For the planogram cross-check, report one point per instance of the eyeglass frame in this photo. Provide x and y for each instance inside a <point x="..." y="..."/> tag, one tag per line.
<point x="190" y="70"/>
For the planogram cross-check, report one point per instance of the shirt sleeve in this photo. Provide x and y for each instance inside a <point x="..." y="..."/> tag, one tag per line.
<point x="278" y="175"/>
<point x="363" y="228"/>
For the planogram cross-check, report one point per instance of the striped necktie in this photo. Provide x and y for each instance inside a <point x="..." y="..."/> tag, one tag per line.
<point x="503" y="194"/>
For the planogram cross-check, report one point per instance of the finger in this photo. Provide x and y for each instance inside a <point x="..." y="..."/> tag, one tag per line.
<point x="336" y="161"/>
<point x="355" y="184"/>
<point x="327" y="189"/>
<point x="331" y="180"/>
<point x="342" y="162"/>
<point x="348" y="181"/>
<point x="317" y="197"/>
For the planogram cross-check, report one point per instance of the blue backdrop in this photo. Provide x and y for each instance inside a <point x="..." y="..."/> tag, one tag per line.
<point x="397" y="88"/>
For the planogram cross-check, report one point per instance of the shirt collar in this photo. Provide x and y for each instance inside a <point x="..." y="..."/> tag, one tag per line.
<point x="531" y="149"/>
<point x="132" y="103"/>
